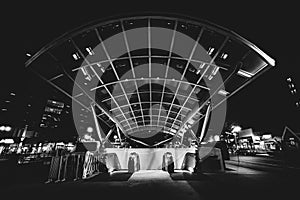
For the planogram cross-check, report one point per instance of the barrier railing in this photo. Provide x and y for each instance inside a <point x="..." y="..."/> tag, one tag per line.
<point x="74" y="166"/>
<point x="93" y="164"/>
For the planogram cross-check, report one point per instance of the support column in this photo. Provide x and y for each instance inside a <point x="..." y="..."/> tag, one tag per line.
<point x="207" y="114"/>
<point x="96" y="123"/>
<point x="197" y="164"/>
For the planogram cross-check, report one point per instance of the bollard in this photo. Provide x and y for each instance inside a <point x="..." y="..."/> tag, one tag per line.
<point x="168" y="162"/>
<point x="133" y="162"/>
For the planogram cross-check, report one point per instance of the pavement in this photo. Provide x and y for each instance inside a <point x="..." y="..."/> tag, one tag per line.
<point x="239" y="181"/>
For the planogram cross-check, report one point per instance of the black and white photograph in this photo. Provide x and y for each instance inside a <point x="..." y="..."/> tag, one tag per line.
<point x="133" y="100"/>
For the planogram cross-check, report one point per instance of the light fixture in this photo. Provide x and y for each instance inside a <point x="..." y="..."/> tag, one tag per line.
<point x="223" y="92"/>
<point x="215" y="70"/>
<point x="8" y="128"/>
<point x="76" y="56"/>
<point x="5" y="128"/>
<point x="244" y="73"/>
<point x="210" y="50"/>
<point x="224" y="56"/>
<point x="90" y="51"/>
<point x="235" y="128"/>
<point x="89" y="129"/>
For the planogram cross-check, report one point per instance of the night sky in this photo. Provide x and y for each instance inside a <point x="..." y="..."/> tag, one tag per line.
<point x="264" y="105"/>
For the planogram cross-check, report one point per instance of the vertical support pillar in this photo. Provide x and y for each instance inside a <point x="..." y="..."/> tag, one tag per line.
<point x="96" y="123"/>
<point x="119" y="135"/>
<point x="205" y="123"/>
<point x="197" y="156"/>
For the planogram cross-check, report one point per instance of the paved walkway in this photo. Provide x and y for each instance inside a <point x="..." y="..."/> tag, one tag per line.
<point x="237" y="182"/>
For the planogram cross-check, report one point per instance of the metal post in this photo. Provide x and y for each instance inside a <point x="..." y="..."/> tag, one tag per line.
<point x="197" y="157"/>
<point x="96" y="123"/>
<point x="77" y="166"/>
<point x="204" y="123"/>
<point x="119" y="135"/>
<point x="65" y="167"/>
<point x="59" y="169"/>
<point x="107" y="136"/>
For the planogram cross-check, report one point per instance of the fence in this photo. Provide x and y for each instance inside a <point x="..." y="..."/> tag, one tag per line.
<point x="75" y="166"/>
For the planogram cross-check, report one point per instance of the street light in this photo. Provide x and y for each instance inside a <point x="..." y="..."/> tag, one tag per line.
<point x="8" y="128"/>
<point x="235" y="129"/>
<point x="5" y="128"/>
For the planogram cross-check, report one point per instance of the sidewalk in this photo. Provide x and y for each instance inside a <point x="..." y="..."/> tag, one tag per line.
<point x="261" y="161"/>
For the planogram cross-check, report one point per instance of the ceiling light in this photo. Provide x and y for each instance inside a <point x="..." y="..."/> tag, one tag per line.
<point x="90" y="51"/>
<point x="89" y="129"/>
<point x="210" y="50"/>
<point x="244" y="73"/>
<point x="216" y="69"/>
<point x="76" y="56"/>
<point x="224" y="55"/>
<point x="223" y="92"/>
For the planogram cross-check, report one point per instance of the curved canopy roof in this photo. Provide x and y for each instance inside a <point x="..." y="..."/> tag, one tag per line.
<point x="149" y="73"/>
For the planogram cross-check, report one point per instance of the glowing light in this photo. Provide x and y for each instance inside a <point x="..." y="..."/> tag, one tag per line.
<point x="224" y="55"/>
<point x="90" y="51"/>
<point x="244" y="73"/>
<point x="7" y="141"/>
<point x="223" y="92"/>
<point x="216" y="138"/>
<point x="76" y="56"/>
<point x="267" y="136"/>
<point x="210" y="50"/>
<point x="236" y="129"/>
<point x="89" y="129"/>
<point x="8" y="128"/>
<point x="216" y="69"/>
<point x="2" y="128"/>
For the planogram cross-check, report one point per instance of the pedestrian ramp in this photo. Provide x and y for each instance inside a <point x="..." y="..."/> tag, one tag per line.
<point x="150" y="175"/>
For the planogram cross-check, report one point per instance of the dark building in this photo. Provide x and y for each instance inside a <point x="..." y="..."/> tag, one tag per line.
<point x="52" y="114"/>
<point x="294" y="92"/>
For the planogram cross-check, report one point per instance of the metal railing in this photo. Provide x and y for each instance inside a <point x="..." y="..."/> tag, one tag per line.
<point x="75" y="166"/>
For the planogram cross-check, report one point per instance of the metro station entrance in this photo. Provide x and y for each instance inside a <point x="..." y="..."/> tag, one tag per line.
<point x="149" y="91"/>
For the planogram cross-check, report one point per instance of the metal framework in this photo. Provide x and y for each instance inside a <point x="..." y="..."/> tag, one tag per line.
<point x="168" y="120"/>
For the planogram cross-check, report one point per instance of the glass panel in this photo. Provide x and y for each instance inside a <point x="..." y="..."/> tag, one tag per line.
<point x="252" y="63"/>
